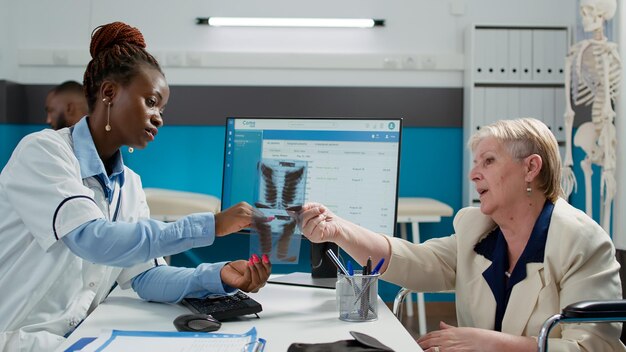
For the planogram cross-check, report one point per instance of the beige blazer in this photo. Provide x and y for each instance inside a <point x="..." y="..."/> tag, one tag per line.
<point x="579" y="264"/>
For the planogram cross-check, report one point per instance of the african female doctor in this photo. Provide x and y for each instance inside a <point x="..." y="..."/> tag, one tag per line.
<point x="75" y="219"/>
<point x="514" y="262"/>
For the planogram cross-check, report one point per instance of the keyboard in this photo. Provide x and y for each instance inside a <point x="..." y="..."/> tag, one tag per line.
<point x="224" y="307"/>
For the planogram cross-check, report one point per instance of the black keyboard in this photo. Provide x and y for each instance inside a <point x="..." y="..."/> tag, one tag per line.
<point x="224" y="307"/>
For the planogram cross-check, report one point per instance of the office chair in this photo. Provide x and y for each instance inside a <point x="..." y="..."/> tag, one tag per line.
<point x="589" y="311"/>
<point x="170" y="205"/>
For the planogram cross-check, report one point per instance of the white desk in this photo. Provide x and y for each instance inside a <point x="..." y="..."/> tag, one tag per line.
<point x="290" y="314"/>
<point x="415" y="211"/>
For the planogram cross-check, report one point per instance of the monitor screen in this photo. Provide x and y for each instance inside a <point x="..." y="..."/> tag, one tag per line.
<point x="350" y="165"/>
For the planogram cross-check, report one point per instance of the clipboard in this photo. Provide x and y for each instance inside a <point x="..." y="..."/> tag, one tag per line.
<point x="171" y="341"/>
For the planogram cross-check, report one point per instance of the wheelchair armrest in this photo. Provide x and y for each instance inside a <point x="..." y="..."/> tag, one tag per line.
<point x="397" y="302"/>
<point x="590" y="311"/>
<point x="595" y="309"/>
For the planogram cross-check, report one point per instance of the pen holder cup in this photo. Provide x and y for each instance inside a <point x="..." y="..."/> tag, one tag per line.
<point x="357" y="297"/>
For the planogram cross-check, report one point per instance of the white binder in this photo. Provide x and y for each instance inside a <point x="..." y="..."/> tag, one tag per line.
<point x="526" y="55"/>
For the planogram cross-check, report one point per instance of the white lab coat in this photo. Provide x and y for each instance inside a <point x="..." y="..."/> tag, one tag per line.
<point x="46" y="289"/>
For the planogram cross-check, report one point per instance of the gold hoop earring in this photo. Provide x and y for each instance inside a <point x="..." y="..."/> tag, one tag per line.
<point x="108" y="126"/>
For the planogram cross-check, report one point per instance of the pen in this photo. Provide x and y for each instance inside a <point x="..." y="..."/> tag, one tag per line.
<point x="350" y="270"/>
<point x="378" y="266"/>
<point x="365" y="291"/>
<point x="336" y="261"/>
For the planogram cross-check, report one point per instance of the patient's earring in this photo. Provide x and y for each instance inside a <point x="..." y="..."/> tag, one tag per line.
<point x="108" y="126"/>
<point x="528" y="190"/>
<point x="131" y="150"/>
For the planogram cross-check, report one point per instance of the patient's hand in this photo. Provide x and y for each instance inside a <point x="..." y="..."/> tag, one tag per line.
<point x="247" y="275"/>
<point x="451" y="338"/>
<point x="319" y="224"/>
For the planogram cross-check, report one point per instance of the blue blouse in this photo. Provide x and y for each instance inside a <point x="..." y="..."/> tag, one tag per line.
<point x="494" y="248"/>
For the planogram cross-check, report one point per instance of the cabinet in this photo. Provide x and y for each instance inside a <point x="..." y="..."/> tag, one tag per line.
<point x="511" y="72"/>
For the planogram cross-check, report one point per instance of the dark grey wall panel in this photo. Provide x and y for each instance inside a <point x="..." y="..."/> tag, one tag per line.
<point x="210" y="105"/>
<point x="3" y="101"/>
<point x="22" y="103"/>
<point x="191" y="105"/>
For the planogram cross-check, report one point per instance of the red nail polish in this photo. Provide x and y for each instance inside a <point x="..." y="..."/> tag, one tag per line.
<point x="255" y="258"/>
<point x="250" y="263"/>
<point x="266" y="260"/>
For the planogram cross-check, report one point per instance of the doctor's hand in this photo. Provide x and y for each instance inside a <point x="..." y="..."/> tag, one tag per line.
<point x="233" y="219"/>
<point x="454" y="339"/>
<point x="247" y="275"/>
<point x="318" y="223"/>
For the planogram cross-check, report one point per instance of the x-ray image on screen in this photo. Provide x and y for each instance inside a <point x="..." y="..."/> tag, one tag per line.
<point x="281" y="185"/>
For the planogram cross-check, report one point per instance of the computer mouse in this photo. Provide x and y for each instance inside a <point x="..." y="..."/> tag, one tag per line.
<point x="196" y="323"/>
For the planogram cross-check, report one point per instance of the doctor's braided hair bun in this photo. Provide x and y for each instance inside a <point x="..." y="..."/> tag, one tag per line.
<point x="117" y="53"/>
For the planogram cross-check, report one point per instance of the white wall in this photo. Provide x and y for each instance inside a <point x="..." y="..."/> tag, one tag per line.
<point x="49" y="39"/>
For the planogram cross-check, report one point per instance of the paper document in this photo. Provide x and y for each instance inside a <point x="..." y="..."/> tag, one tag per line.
<point x="155" y="341"/>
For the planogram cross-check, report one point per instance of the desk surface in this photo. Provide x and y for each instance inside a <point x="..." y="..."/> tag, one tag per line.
<point x="290" y="314"/>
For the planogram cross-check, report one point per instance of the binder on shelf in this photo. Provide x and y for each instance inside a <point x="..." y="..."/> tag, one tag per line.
<point x="490" y="54"/>
<point x="526" y="55"/>
<point x="559" y="110"/>
<point x="536" y="103"/>
<point x="552" y="55"/>
<point x="481" y="43"/>
<point x="539" y="55"/>
<point x="479" y="109"/>
<point x="502" y="109"/>
<point x="500" y="47"/>
<point x="514" y="49"/>
<point x="560" y="52"/>
<point x="547" y="107"/>
<point x="491" y="108"/>
<point x="513" y="106"/>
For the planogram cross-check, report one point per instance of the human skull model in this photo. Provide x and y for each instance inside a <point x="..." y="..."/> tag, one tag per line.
<point x="595" y="12"/>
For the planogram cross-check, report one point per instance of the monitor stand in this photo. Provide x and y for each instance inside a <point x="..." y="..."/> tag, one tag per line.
<point x="321" y="265"/>
<point x="323" y="271"/>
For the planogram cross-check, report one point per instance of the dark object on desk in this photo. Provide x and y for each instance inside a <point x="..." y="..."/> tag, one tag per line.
<point x="361" y="343"/>
<point x="224" y="307"/>
<point x="304" y="279"/>
<point x="196" y="323"/>
<point x="321" y="265"/>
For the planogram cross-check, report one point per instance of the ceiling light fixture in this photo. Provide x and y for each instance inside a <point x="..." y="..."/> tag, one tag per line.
<point x="290" y="22"/>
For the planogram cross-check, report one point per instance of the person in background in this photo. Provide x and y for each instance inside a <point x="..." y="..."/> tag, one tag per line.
<point x="513" y="263"/>
<point x="75" y="220"/>
<point x="65" y="105"/>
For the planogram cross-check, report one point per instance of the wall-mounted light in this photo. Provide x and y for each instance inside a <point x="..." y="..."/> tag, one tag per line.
<point x="290" y="22"/>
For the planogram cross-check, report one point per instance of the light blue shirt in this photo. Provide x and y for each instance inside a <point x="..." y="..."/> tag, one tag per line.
<point x="125" y="244"/>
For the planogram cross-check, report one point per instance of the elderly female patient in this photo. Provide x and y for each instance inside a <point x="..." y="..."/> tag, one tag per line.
<point x="520" y="258"/>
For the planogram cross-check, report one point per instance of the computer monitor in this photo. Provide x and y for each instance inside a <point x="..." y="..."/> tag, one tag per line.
<point x="351" y="165"/>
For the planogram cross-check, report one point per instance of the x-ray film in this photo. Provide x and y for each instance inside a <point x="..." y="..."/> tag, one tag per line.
<point x="281" y="185"/>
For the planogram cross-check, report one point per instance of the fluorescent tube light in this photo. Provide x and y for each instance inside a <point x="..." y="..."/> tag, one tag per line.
<point x="290" y="22"/>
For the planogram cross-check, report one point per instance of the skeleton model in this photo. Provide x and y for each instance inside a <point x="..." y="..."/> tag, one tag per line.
<point x="592" y="74"/>
<point x="281" y="187"/>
